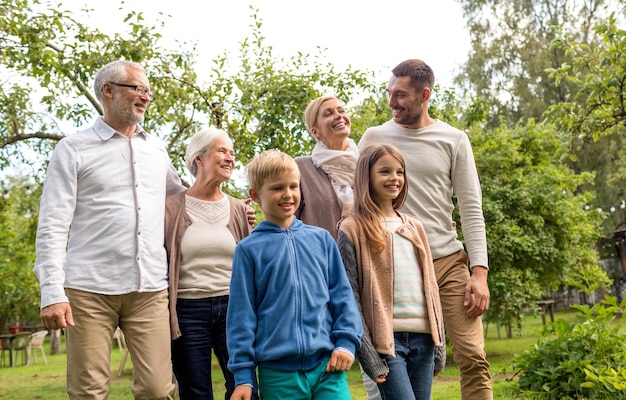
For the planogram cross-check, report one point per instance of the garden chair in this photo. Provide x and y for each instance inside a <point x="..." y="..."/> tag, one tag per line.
<point x="15" y="344"/>
<point x="36" y="342"/>
<point x="118" y="335"/>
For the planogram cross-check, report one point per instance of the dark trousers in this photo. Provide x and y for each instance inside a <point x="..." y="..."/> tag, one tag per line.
<point x="203" y="326"/>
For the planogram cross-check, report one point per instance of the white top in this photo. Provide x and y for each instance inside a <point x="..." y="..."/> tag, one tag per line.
<point x="207" y="248"/>
<point x="107" y="191"/>
<point x="439" y="162"/>
<point x="410" y="313"/>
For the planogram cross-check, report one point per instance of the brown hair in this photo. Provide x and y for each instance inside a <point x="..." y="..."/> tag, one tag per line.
<point x="367" y="212"/>
<point x="420" y="73"/>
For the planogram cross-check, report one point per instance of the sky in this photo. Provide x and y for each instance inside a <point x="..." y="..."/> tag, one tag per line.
<point x="365" y="35"/>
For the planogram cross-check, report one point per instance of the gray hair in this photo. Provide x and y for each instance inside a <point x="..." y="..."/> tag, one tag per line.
<point x="114" y="71"/>
<point x="199" y="144"/>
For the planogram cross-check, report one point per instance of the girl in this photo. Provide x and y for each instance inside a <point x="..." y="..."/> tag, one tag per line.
<point x="388" y="262"/>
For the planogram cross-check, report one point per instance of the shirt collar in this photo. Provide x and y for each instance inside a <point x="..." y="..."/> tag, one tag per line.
<point x="105" y="132"/>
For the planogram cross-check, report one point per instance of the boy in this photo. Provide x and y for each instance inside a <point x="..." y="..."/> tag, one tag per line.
<point x="292" y="312"/>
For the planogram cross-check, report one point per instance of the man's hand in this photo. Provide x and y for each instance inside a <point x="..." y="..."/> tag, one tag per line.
<point x="250" y="212"/>
<point x="242" y="392"/>
<point x="339" y="361"/>
<point x="57" y="316"/>
<point x="477" y="292"/>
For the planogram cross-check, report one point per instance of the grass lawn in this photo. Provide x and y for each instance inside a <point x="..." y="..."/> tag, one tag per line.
<point x="47" y="382"/>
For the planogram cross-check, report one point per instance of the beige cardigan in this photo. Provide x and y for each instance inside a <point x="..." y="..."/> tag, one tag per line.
<point x="372" y="278"/>
<point x="176" y="223"/>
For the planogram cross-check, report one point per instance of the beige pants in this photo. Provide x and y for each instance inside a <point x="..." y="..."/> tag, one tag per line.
<point x="144" y="319"/>
<point x="466" y="334"/>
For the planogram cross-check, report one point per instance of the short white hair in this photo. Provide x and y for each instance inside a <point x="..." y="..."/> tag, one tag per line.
<point x="200" y="143"/>
<point x="113" y="71"/>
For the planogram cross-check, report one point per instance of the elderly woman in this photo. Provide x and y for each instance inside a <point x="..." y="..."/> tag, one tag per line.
<point x="202" y="227"/>
<point x="326" y="176"/>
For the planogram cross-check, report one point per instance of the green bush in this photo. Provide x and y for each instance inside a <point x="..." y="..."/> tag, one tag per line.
<point x="582" y="360"/>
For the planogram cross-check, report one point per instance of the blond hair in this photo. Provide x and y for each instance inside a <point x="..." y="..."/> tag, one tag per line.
<point x="269" y="164"/>
<point x="310" y="114"/>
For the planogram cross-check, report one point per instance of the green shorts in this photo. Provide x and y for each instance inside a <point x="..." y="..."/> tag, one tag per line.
<point x="316" y="384"/>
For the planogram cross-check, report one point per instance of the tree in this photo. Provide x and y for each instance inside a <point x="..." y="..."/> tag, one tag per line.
<point x="595" y="116"/>
<point x="566" y="57"/>
<point x="598" y="73"/>
<point x="265" y="98"/>
<point x="19" y="291"/>
<point x="511" y="52"/>
<point x="538" y="232"/>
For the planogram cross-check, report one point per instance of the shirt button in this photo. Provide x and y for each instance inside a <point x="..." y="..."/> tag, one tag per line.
<point x="138" y="233"/>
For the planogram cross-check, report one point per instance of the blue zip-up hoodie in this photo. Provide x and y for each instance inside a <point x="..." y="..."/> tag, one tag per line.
<point x="290" y="301"/>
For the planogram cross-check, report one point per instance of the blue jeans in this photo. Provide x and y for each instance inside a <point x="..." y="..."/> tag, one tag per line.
<point x="203" y="327"/>
<point x="411" y="371"/>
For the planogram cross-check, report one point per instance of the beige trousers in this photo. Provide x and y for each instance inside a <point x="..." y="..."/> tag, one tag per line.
<point x="144" y="319"/>
<point x="466" y="334"/>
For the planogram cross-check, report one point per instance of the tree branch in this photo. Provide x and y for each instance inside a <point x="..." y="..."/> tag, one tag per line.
<point x="37" y="135"/>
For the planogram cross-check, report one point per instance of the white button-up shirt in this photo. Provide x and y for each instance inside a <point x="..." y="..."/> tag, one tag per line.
<point x="107" y="191"/>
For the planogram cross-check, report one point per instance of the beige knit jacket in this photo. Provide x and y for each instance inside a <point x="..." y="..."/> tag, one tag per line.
<point x="372" y="278"/>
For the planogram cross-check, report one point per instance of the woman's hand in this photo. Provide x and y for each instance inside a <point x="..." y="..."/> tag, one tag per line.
<point x="250" y="212"/>
<point x="381" y="378"/>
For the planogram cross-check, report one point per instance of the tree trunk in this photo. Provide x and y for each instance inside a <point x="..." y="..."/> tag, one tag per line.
<point x="55" y="341"/>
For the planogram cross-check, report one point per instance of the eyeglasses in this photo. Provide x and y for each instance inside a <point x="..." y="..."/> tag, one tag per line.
<point x="140" y="90"/>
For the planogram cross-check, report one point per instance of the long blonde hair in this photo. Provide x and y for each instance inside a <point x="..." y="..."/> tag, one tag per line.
<point x="367" y="213"/>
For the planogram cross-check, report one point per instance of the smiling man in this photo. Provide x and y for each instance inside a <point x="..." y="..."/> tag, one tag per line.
<point x="105" y="187"/>
<point x="440" y="164"/>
